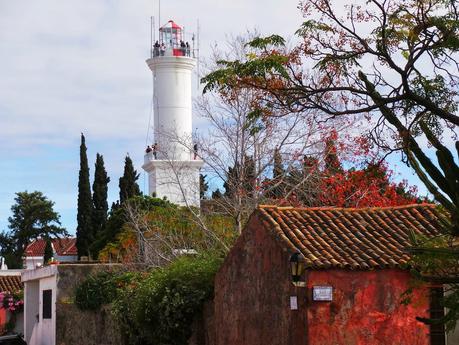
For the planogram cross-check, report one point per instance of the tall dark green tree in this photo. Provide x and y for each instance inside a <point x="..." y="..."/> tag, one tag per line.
<point x="331" y="159"/>
<point x="277" y="190"/>
<point x="84" y="230"/>
<point x="249" y="177"/>
<point x="48" y="255"/>
<point x="33" y="216"/>
<point x="217" y="194"/>
<point x="99" y="196"/>
<point x="232" y="181"/>
<point x="128" y="182"/>
<point x="203" y="186"/>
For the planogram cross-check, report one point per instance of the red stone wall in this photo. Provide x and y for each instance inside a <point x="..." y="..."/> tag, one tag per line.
<point x="253" y="288"/>
<point x="252" y="294"/>
<point x="366" y="309"/>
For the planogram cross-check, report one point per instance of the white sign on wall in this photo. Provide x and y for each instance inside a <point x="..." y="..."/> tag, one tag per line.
<point x="293" y="303"/>
<point x="322" y="293"/>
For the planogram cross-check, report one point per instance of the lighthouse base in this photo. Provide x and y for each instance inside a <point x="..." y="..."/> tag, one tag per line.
<point x="178" y="181"/>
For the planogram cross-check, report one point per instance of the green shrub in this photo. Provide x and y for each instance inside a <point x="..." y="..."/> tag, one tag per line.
<point x="101" y="288"/>
<point x="160" y="309"/>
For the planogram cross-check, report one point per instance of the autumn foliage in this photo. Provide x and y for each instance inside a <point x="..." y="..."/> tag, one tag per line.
<point x="358" y="180"/>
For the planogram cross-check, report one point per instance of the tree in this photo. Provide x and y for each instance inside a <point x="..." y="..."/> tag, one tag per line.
<point x="99" y="196"/>
<point x="368" y="187"/>
<point x="331" y="160"/>
<point x="203" y="186"/>
<point x="84" y="231"/>
<point x="277" y="190"/>
<point x="48" y="254"/>
<point x="33" y="216"/>
<point x="239" y="148"/>
<point x="156" y="232"/>
<point x="396" y="63"/>
<point x="216" y="194"/>
<point x="393" y="61"/>
<point x="128" y="182"/>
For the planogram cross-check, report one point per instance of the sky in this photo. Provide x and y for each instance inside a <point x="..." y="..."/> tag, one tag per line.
<point x="78" y="66"/>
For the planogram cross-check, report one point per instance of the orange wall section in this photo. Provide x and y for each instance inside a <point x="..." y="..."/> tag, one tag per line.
<point x="366" y="309"/>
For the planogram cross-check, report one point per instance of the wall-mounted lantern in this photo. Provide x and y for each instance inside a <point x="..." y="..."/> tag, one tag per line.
<point x="297" y="269"/>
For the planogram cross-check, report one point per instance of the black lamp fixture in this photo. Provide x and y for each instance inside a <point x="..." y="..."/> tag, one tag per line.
<point x="297" y="268"/>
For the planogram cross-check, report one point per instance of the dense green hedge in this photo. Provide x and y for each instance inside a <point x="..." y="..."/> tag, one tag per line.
<point x="160" y="309"/>
<point x="101" y="288"/>
<point x="156" y="307"/>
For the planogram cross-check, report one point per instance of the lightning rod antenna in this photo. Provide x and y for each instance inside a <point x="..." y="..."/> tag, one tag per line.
<point x="152" y="21"/>
<point x="159" y="13"/>
<point x="197" y="51"/>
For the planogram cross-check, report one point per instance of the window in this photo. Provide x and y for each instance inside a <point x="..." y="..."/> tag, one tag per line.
<point x="47" y="304"/>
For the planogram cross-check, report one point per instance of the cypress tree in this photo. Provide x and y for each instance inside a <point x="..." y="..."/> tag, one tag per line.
<point x="249" y="177"/>
<point x="217" y="194"/>
<point x="232" y="181"/>
<point x="128" y="182"/>
<point x="48" y="254"/>
<point x="331" y="159"/>
<point x="203" y="186"/>
<point x="99" y="196"/>
<point x="85" y="207"/>
<point x="278" y="175"/>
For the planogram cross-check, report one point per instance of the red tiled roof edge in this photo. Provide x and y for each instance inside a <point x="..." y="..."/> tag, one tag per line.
<point x="65" y="246"/>
<point x="10" y="284"/>
<point x="320" y="244"/>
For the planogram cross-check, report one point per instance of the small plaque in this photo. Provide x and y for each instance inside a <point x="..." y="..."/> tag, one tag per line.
<point x="293" y="303"/>
<point x="322" y="293"/>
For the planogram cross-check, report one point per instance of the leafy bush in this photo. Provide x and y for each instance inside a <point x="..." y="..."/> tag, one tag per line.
<point x="101" y="288"/>
<point x="160" y="308"/>
<point x="14" y="304"/>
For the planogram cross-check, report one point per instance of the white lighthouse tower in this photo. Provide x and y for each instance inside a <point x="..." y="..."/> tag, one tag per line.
<point x="172" y="162"/>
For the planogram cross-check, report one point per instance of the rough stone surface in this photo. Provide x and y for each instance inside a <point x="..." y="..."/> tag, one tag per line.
<point x="252" y="294"/>
<point x="253" y="288"/>
<point x="203" y="327"/>
<point x="74" y="326"/>
<point x="366" y="309"/>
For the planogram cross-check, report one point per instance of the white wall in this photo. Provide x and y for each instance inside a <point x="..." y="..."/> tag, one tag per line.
<point x="48" y="326"/>
<point x="176" y="180"/>
<point x="31" y="309"/>
<point x="172" y="104"/>
<point x="31" y="262"/>
<point x="41" y="331"/>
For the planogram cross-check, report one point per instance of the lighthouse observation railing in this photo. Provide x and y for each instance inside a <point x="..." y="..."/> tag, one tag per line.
<point x="173" y="51"/>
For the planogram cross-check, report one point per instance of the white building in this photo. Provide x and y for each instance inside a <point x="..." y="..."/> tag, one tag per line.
<point x="172" y="163"/>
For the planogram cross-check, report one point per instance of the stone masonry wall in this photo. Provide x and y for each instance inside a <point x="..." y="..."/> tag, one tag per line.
<point x="76" y="327"/>
<point x="252" y="294"/>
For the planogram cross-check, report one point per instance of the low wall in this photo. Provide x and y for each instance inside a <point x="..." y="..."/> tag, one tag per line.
<point x="74" y="326"/>
<point x="84" y="327"/>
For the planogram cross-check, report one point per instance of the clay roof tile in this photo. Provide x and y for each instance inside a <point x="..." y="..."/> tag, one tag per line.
<point x="352" y="238"/>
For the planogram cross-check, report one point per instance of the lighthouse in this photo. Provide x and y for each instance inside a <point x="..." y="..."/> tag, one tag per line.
<point x="172" y="161"/>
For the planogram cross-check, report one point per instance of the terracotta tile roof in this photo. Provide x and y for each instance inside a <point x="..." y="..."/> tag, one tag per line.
<point x="62" y="247"/>
<point x="10" y="283"/>
<point x="363" y="239"/>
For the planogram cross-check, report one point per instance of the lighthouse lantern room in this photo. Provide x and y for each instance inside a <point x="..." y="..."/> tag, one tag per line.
<point x="172" y="160"/>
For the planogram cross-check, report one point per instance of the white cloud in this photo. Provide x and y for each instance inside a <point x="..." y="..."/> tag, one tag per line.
<point x="79" y="66"/>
